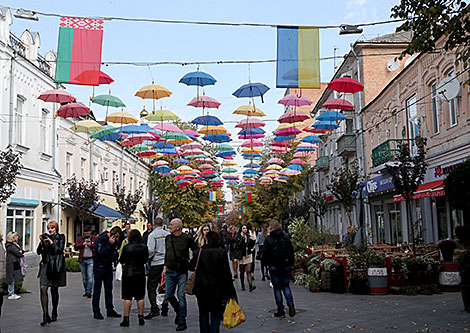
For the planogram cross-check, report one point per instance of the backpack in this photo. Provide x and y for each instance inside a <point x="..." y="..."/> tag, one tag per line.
<point x="280" y="250"/>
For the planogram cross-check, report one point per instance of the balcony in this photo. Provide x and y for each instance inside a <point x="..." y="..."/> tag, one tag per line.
<point x="346" y="145"/>
<point x="322" y="163"/>
<point x="388" y="150"/>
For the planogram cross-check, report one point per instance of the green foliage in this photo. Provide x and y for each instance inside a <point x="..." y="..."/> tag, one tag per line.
<point x="457" y="186"/>
<point x="308" y="281"/>
<point x="358" y="256"/>
<point x="400" y="265"/>
<point x="425" y="289"/>
<point x="298" y="230"/>
<point x="376" y="260"/>
<point x="18" y="287"/>
<point x="72" y="265"/>
<point x="10" y="167"/>
<point x="344" y="185"/>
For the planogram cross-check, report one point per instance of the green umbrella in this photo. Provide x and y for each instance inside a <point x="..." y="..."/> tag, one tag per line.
<point x="161" y="115"/>
<point x="108" y="100"/>
<point x="174" y="136"/>
<point x="139" y="147"/>
<point x="156" y="131"/>
<point x="108" y="129"/>
<point x="224" y="147"/>
<point x="229" y="170"/>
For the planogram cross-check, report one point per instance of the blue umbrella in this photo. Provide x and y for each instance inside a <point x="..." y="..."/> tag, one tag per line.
<point x="327" y="125"/>
<point x="163" y="169"/>
<point x="252" y="165"/>
<point x="207" y="121"/>
<point x="311" y="139"/>
<point x="251" y="131"/>
<point x="304" y="149"/>
<point x="181" y="161"/>
<point x="217" y="138"/>
<point x="331" y="115"/>
<point x="111" y="137"/>
<point x="135" y="129"/>
<point x="251" y="90"/>
<point x="297" y="167"/>
<point x="163" y="145"/>
<point x="192" y="137"/>
<point x="198" y="79"/>
<point x="226" y="153"/>
<point x="283" y="138"/>
<point x="250" y="172"/>
<point x="168" y="151"/>
<point x="251" y="155"/>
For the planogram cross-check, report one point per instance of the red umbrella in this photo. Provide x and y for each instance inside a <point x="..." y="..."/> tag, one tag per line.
<point x="105" y="78"/>
<point x="293" y="117"/>
<point x="314" y="130"/>
<point x="57" y="96"/>
<point x="337" y="104"/>
<point x="72" y="110"/>
<point x="281" y="144"/>
<point x="346" y="85"/>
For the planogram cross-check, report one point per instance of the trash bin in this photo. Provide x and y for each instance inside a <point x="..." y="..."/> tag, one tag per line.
<point x="337" y="278"/>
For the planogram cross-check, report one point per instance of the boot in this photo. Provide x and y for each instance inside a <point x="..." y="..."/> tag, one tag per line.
<point x="54" y="316"/>
<point x="45" y="319"/>
<point x="141" y="320"/>
<point x="125" y="322"/>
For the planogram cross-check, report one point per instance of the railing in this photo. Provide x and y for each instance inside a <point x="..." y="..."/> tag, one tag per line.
<point x="388" y="150"/>
<point x="44" y="65"/>
<point x="322" y="163"/>
<point x="17" y="45"/>
<point x="346" y="144"/>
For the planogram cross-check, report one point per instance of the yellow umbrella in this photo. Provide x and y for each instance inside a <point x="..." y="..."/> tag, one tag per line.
<point x="228" y="162"/>
<point x="250" y="111"/>
<point x="251" y="150"/>
<point x="287" y="125"/>
<point x="86" y="126"/>
<point x="161" y="115"/>
<point x="212" y="130"/>
<point x="197" y="185"/>
<point x="153" y="92"/>
<point x="179" y="141"/>
<point x="184" y="167"/>
<point x="274" y="167"/>
<point x="122" y="118"/>
<point x="280" y="180"/>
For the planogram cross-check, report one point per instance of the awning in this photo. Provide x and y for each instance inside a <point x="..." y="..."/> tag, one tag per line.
<point x="426" y="190"/>
<point x="24" y="202"/>
<point x="102" y="211"/>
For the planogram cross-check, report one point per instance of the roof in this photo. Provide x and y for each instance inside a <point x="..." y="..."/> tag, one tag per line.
<point x="396" y="37"/>
<point x="102" y="211"/>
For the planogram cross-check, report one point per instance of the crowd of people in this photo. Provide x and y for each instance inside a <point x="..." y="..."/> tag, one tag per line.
<point x="156" y="263"/>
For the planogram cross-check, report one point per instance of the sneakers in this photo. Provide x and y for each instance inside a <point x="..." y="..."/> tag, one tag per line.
<point x="14" y="296"/>
<point x="181" y="327"/>
<point x="113" y="314"/>
<point x="280" y="314"/>
<point x="291" y="307"/>
<point x="98" y="315"/>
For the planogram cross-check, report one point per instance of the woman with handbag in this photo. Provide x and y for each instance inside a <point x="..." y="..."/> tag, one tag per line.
<point x="246" y="243"/>
<point x="52" y="273"/>
<point x="213" y="284"/>
<point x="14" y="270"/>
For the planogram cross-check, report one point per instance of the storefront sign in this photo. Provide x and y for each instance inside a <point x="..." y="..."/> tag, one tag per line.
<point x="377" y="271"/>
<point x="441" y="171"/>
<point x="379" y="183"/>
<point x="448" y="278"/>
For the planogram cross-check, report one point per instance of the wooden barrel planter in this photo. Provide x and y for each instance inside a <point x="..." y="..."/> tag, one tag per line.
<point x="449" y="277"/>
<point x="378" y="280"/>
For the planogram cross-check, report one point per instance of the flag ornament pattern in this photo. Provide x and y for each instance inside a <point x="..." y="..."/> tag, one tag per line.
<point x="212" y="196"/>
<point x="79" y="51"/>
<point x="248" y="196"/>
<point x="298" y="57"/>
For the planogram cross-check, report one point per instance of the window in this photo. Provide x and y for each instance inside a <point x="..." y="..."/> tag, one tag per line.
<point x="21" y="221"/>
<point x="371" y="141"/>
<point x="44" y="131"/>
<point x="396" y="125"/>
<point x="95" y="171"/>
<point x="452" y="106"/>
<point x="82" y="167"/>
<point x="105" y="179"/>
<point x="435" y="109"/>
<point x="378" y="134"/>
<point x="387" y="129"/>
<point x="123" y="179"/>
<point x="413" y="124"/>
<point x="18" y="121"/>
<point x="114" y="179"/>
<point x="68" y="165"/>
<point x="349" y="126"/>
<point x="131" y="183"/>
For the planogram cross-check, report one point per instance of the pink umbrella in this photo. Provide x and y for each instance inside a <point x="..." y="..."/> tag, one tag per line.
<point x="295" y="100"/>
<point x="208" y="172"/>
<point x="301" y="154"/>
<point x="293" y="117"/>
<point x="72" y="110"/>
<point x="204" y="102"/>
<point x="206" y="166"/>
<point x="314" y="130"/>
<point x="146" y="153"/>
<point x="275" y="160"/>
<point x="156" y="137"/>
<point x="57" y="96"/>
<point x="252" y="143"/>
<point x="250" y="123"/>
<point x="168" y="127"/>
<point x="196" y="151"/>
<point x="281" y="144"/>
<point x="279" y="150"/>
<point x="307" y="145"/>
<point x="206" y="159"/>
<point x="192" y="145"/>
<point x="337" y="104"/>
<point x="346" y="84"/>
<point x="189" y="131"/>
<point x="135" y="139"/>
<point x="227" y="157"/>
<point x="297" y="161"/>
<point x="288" y="131"/>
<point x="159" y="163"/>
<point x="255" y="136"/>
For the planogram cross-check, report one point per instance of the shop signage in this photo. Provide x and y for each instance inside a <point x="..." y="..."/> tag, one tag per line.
<point x="377" y="271"/>
<point x="449" y="278"/>
<point x="379" y="183"/>
<point x="440" y="171"/>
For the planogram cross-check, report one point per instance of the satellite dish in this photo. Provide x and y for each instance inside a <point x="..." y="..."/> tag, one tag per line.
<point x="392" y="65"/>
<point x="448" y="89"/>
<point x="410" y="60"/>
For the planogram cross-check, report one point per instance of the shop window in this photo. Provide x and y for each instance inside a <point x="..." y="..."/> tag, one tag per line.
<point x="396" y="230"/>
<point x="21" y="222"/>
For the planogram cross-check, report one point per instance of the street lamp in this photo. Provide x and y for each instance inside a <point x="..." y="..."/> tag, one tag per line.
<point x="26" y="14"/>
<point x="348" y="29"/>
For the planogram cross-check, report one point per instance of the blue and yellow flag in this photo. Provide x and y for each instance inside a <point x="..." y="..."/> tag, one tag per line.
<point x="298" y="57"/>
<point x="212" y="196"/>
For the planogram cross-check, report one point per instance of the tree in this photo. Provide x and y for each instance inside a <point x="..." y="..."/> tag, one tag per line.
<point x="151" y="206"/>
<point x="344" y="185"/>
<point x="127" y="202"/>
<point x="457" y="189"/>
<point x="407" y="175"/>
<point x="84" y="196"/>
<point x="318" y="204"/>
<point x="10" y="167"/>
<point x="429" y="20"/>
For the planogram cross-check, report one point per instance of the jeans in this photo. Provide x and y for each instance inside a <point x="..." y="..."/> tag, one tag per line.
<point x="86" y="266"/>
<point x="177" y="280"/>
<point x="214" y="311"/>
<point x="11" y="288"/>
<point x="102" y="276"/>
<point x="280" y="278"/>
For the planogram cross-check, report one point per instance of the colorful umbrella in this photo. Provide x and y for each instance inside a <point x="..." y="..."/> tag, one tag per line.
<point x="295" y="100"/>
<point x="251" y="90"/>
<point x="249" y="110"/>
<point x="105" y="78"/>
<point x="297" y="161"/>
<point x="198" y="79"/>
<point x="192" y="145"/>
<point x="326" y="125"/>
<point x="251" y="131"/>
<point x="107" y="129"/>
<point x="288" y="132"/>
<point x="251" y="165"/>
<point x="57" y="96"/>
<point x="252" y="143"/>
<point x="212" y="130"/>
<point x="207" y="121"/>
<point x="161" y="115"/>
<point x="86" y="126"/>
<point x="122" y="118"/>
<point x="296" y="167"/>
<point x="204" y="102"/>
<point x="167" y="127"/>
<point x="206" y="166"/>
<point x="191" y="132"/>
<point x="331" y="116"/>
<point x="153" y="92"/>
<point x="135" y="129"/>
<point x="229" y="170"/>
<point x="112" y="136"/>
<point x="250" y="123"/>
<point x="72" y="110"/>
<point x="293" y="117"/>
<point x="337" y="104"/>
<point x="311" y="139"/>
<point x="346" y="85"/>
<point x="108" y="100"/>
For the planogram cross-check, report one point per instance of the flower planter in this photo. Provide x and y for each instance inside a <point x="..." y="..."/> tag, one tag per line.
<point x="326" y="281"/>
<point x="358" y="283"/>
<point x="447" y="254"/>
<point x="378" y="280"/>
<point x="449" y="277"/>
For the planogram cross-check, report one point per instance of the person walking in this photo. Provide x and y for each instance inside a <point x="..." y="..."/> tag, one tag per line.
<point x="252" y="234"/>
<point x="104" y="256"/>
<point x="156" y="248"/>
<point x="246" y="243"/>
<point x="201" y="235"/>
<point x="52" y="273"/>
<point x="278" y="254"/>
<point x="177" y="246"/>
<point x="133" y="259"/>
<point x="234" y="250"/>
<point x="262" y="234"/>
<point x="213" y="285"/>
<point x="14" y="268"/>
<point x="86" y="244"/>
<point x="147" y="232"/>
<point x="2" y="270"/>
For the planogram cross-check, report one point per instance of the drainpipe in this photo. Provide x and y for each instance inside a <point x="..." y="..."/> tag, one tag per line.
<point x="12" y="96"/>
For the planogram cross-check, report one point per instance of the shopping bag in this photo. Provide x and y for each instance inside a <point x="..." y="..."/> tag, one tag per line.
<point x="233" y="315"/>
<point x="118" y="272"/>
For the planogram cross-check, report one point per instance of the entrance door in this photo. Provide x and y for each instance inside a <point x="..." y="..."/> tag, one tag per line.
<point x="396" y="230"/>
<point x="379" y="223"/>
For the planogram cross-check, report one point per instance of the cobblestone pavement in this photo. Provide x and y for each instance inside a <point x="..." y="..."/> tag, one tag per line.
<point x="320" y="311"/>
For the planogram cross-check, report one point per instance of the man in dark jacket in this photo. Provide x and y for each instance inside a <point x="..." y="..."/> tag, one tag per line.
<point x="103" y="258"/>
<point x="86" y="244"/>
<point x="278" y="254"/>
<point x="177" y="246"/>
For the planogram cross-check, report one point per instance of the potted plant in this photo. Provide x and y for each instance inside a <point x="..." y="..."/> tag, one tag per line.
<point x="358" y="264"/>
<point x="377" y="274"/>
<point x="447" y="247"/>
<point x="464" y="269"/>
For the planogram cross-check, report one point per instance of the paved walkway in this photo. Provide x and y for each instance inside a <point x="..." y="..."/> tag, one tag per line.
<point x="317" y="312"/>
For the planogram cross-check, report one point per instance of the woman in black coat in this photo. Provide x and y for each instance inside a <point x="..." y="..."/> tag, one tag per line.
<point x="133" y="258"/>
<point x="52" y="271"/>
<point x="14" y="269"/>
<point x="213" y="286"/>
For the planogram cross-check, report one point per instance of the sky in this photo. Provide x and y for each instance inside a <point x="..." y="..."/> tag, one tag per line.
<point x="150" y="42"/>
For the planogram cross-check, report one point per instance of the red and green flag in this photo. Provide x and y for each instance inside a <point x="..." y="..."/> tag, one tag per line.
<point x="79" y="51"/>
<point x="248" y="196"/>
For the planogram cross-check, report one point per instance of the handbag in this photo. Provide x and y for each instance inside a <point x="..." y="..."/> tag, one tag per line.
<point x="55" y="265"/>
<point x="233" y="315"/>
<point x="188" y="288"/>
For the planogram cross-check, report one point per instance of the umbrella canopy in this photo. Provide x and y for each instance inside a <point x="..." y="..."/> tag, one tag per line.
<point x="274" y="167"/>
<point x="296" y="167"/>
<point x="105" y="78"/>
<point x="254" y="89"/>
<point x="194" y="152"/>
<point x="288" y="132"/>
<point x="57" y="96"/>
<point x="346" y="85"/>
<point x="108" y="100"/>
<point x="301" y="154"/>
<point x="212" y="130"/>
<point x="72" y="110"/>
<point x="163" y="145"/>
<point x="192" y="145"/>
<point x="275" y="160"/>
<point x="198" y="79"/>
<point x="250" y="137"/>
<point x="284" y="138"/>
<point x="224" y="147"/>
<point x="281" y="144"/>
<point x="249" y="110"/>
<point x="139" y="147"/>
<point x="175" y="136"/>
<point x="297" y="161"/>
<point x="161" y="115"/>
<point x="135" y="129"/>
<point x="228" y="163"/>
<point x="327" y="125"/>
<point x="251" y="150"/>
<point x="153" y="92"/>
<point x="207" y="121"/>
<point x="163" y="169"/>
<point x="161" y="162"/>
<point x="204" y="102"/>
<point x="217" y="138"/>
<point x="229" y="170"/>
<point x="252" y="165"/>
<point x="311" y="139"/>
<point x="251" y="131"/>
<point x="167" y="127"/>
<point x="252" y="143"/>
<point x="337" y="104"/>
<point x="293" y="117"/>
<point x="108" y="129"/>
<point x="138" y="138"/>
<point x="250" y="172"/>
<point x="331" y="116"/>
<point x="225" y="153"/>
<point x="86" y="126"/>
<point x="250" y="123"/>
<point x="295" y="100"/>
<point x="206" y="166"/>
<point x="314" y="130"/>
<point x="191" y="132"/>
<point x="115" y="136"/>
<point x="122" y="118"/>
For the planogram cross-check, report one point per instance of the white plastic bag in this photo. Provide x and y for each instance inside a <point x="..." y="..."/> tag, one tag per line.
<point x="118" y="272"/>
